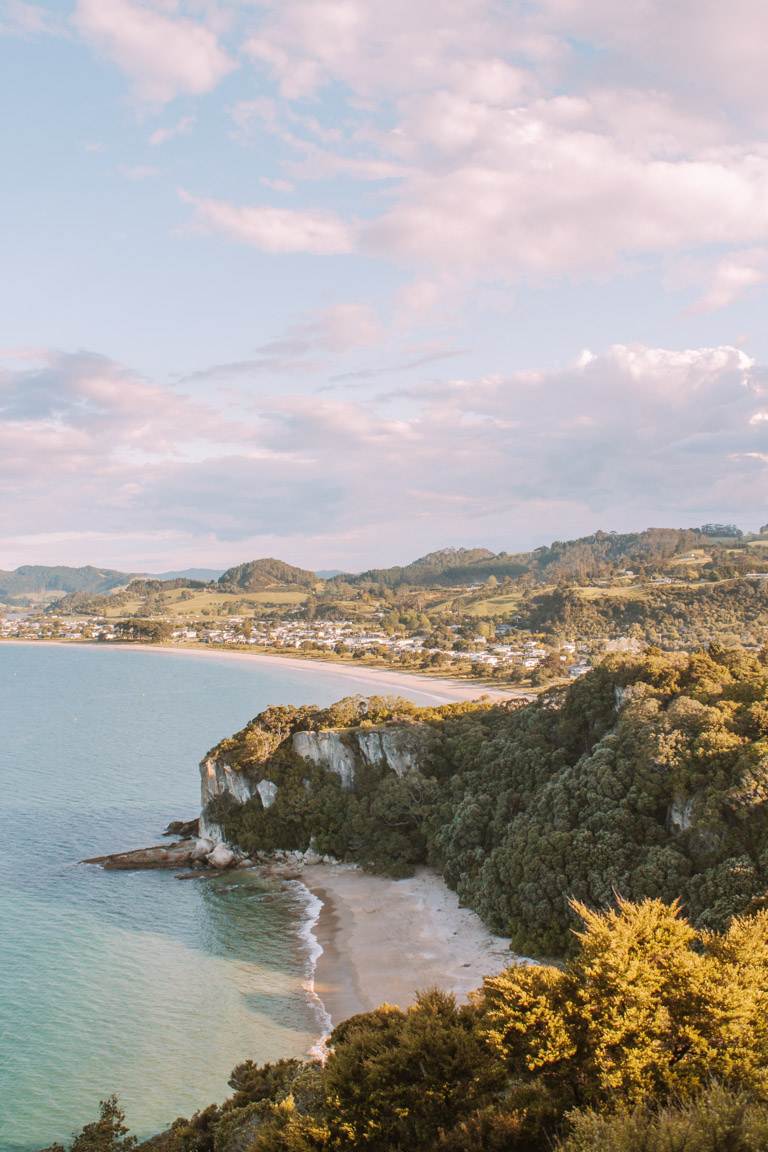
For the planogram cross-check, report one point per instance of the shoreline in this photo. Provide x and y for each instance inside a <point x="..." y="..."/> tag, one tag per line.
<point x="381" y="941"/>
<point x="370" y="939"/>
<point x="437" y="689"/>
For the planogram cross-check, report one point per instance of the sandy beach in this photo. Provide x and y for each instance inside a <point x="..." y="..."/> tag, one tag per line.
<point x="385" y="681"/>
<point x="385" y="940"/>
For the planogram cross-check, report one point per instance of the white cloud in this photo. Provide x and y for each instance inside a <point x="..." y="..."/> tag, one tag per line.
<point x="712" y="52"/>
<point x="491" y="175"/>
<point x="163" y="54"/>
<point x="276" y="185"/>
<point x="548" y="188"/>
<point x="308" y="347"/>
<point x="309" y="43"/>
<point x="182" y="127"/>
<point x="732" y="276"/>
<point x="345" y="326"/>
<point x="275" y="229"/>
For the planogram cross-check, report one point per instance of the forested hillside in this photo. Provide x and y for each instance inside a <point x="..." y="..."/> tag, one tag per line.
<point x="39" y="578"/>
<point x="589" y="558"/>
<point x="653" y="1038"/>
<point x="257" y="575"/>
<point x="649" y="776"/>
<point x="672" y="617"/>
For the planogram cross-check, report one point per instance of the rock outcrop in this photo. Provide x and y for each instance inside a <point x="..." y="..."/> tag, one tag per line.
<point x="178" y="855"/>
<point x="221" y="857"/>
<point x="680" y="815"/>
<point x="397" y="748"/>
<point x="329" y="750"/>
<point x="267" y="791"/>
<point x="218" y="779"/>
<point x="184" y="829"/>
<point x="342" y="751"/>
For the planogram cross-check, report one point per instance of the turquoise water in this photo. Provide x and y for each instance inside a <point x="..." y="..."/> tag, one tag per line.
<point x="134" y="982"/>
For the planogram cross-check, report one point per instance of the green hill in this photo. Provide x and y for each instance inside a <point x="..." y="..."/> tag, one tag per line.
<point x="589" y="557"/>
<point x="429" y="569"/>
<point x="258" y="575"/>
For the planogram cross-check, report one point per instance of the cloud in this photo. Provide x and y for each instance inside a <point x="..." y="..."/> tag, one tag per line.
<point x="344" y="326"/>
<point x="732" y="276"/>
<point x="277" y="185"/>
<point x="431" y="357"/>
<point x="623" y="438"/>
<point x="506" y="158"/>
<point x="551" y="188"/>
<point x="722" y="44"/>
<point x="308" y="44"/>
<point x="21" y="19"/>
<point x="164" y="55"/>
<point x="182" y="127"/>
<point x="275" y="229"/>
<point x="305" y="347"/>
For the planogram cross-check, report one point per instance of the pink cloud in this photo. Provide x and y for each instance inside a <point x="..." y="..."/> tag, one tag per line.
<point x="164" y="55"/>
<point x="275" y="229"/>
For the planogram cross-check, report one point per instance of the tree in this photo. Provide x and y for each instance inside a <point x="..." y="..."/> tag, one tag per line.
<point x="394" y="1078"/>
<point x="647" y="1009"/>
<point x="107" y="1134"/>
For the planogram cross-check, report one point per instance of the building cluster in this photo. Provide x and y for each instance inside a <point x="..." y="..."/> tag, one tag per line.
<point x="503" y="651"/>
<point x="22" y="627"/>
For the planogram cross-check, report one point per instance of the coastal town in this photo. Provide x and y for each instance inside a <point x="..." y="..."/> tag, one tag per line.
<point x="455" y="650"/>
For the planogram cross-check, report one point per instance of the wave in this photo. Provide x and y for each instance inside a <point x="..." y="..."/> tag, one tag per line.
<point x="313" y="906"/>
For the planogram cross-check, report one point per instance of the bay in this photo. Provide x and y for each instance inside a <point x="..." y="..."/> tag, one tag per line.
<point x="136" y="982"/>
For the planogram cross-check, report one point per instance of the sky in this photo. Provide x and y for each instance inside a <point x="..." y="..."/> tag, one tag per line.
<point x="342" y="282"/>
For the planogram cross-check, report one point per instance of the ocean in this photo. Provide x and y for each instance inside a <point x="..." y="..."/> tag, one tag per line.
<point x="135" y="983"/>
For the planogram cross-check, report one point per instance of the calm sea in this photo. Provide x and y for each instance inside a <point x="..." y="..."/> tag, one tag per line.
<point x="136" y="982"/>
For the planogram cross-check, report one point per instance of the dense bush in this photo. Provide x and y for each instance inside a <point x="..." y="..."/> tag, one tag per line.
<point x="647" y="777"/>
<point x="672" y="617"/>
<point x="652" y="1038"/>
<point x="718" y="1120"/>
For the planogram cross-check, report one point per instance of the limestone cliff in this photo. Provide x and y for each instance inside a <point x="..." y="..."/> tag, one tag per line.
<point x="344" y="752"/>
<point x="218" y="779"/>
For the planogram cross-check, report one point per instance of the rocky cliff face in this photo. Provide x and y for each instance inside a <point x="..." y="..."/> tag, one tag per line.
<point x="330" y="751"/>
<point x="219" y="779"/>
<point x="395" y="748"/>
<point x="398" y="749"/>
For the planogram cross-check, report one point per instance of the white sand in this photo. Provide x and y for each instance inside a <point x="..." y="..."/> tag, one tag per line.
<point x="385" y="940"/>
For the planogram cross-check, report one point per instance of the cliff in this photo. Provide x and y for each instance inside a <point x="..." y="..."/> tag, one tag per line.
<point x="343" y="753"/>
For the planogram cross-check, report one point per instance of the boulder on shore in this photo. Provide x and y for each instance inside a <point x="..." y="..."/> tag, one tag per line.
<point x="221" y="857"/>
<point x="184" y="829"/>
<point x="202" y="848"/>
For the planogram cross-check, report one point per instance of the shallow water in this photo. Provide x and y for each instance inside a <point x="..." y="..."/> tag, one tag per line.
<point x="135" y="982"/>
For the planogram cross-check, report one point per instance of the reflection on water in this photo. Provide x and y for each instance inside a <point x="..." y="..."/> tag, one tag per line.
<point x="133" y="982"/>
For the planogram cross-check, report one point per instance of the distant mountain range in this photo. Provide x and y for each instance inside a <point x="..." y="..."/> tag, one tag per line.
<point x="33" y="579"/>
<point x="582" y="559"/>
